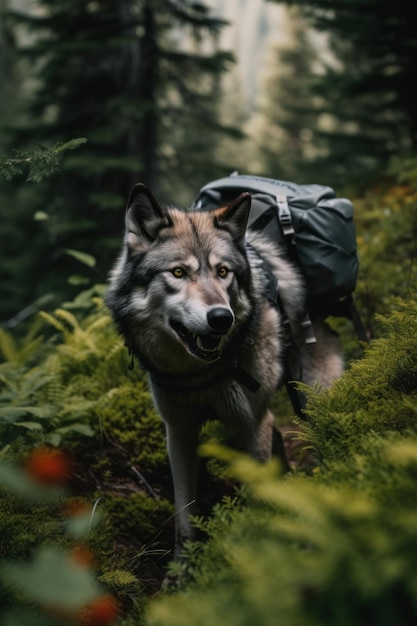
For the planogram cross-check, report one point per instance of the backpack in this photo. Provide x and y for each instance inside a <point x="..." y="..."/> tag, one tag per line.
<point x="316" y="226"/>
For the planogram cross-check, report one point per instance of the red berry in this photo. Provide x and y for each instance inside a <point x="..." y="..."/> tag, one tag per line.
<point x="48" y="466"/>
<point x="83" y="556"/>
<point x="102" y="612"/>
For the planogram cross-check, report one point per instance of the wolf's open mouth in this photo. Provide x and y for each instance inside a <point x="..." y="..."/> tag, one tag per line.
<point x="207" y="347"/>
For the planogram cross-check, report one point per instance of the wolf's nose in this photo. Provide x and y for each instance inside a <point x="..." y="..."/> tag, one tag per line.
<point x="220" y="319"/>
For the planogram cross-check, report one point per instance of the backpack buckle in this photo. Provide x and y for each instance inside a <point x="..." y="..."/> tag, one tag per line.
<point x="284" y="216"/>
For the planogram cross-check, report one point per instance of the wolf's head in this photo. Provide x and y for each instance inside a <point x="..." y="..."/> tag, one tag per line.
<point x="181" y="285"/>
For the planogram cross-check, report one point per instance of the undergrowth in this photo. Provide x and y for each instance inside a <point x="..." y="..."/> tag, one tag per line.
<point x="66" y="386"/>
<point x="335" y="543"/>
<point x="331" y="542"/>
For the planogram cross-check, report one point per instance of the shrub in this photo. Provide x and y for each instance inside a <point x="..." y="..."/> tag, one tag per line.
<point x="69" y="388"/>
<point x="336" y="545"/>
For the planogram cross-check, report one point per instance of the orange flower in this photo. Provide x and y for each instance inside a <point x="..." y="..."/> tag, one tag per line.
<point x="82" y="556"/>
<point x="48" y="466"/>
<point x="102" y="612"/>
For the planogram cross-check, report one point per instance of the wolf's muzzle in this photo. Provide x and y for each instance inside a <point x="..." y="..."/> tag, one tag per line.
<point x="220" y="319"/>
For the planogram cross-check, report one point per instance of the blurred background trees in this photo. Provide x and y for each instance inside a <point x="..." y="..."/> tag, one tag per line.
<point x="140" y="81"/>
<point x="355" y="84"/>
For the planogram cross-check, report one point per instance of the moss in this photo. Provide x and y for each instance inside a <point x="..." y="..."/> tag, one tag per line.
<point x="24" y="525"/>
<point x="27" y="525"/>
<point x="129" y="420"/>
<point x="378" y="394"/>
<point x="141" y="517"/>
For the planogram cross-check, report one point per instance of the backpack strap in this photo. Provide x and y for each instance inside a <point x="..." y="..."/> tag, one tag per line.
<point x="344" y="307"/>
<point x="361" y="333"/>
<point x="292" y="352"/>
<point x="285" y="220"/>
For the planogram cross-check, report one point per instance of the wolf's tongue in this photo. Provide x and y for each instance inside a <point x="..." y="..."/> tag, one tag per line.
<point x="208" y="342"/>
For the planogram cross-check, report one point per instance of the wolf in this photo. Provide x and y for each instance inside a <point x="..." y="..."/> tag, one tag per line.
<point x="190" y="295"/>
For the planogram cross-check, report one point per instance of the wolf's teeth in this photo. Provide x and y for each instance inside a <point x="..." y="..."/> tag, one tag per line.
<point x="202" y="347"/>
<point x="199" y="343"/>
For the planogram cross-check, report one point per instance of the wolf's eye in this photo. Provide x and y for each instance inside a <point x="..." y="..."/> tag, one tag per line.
<point x="178" y="272"/>
<point x="222" y="272"/>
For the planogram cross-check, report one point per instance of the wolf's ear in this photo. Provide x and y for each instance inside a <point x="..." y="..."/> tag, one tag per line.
<point x="144" y="215"/>
<point x="234" y="217"/>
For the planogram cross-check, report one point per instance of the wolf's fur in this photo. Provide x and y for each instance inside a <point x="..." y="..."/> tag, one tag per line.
<point x="188" y="294"/>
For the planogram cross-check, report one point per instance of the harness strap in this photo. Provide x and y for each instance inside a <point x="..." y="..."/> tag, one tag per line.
<point x="166" y="381"/>
<point x="194" y="381"/>
<point x="294" y="396"/>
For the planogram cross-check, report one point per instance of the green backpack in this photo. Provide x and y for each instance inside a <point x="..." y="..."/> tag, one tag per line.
<point x="316" y="226"/>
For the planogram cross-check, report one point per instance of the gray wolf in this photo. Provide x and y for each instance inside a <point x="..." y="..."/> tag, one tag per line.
<point x="189" y="295"/>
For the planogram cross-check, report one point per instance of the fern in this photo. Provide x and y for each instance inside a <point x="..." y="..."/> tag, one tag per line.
<point x="8" y="347"/>
<point x="54" y="391"/>
<point x="305" y="554"/>
<point x="20" y="354"/>
<point x="53" y="321"/>
<point x="120" y="580"/>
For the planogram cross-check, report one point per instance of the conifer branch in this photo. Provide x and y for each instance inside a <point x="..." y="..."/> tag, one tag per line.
<point x="39" y="163"/>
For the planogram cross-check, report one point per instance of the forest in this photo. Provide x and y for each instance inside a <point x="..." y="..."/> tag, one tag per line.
<point x="98" y="95"/>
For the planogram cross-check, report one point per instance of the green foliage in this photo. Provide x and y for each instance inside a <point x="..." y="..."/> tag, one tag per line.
<point x="375" y="399"/>
<point x="141" y="517"/>
<point x="52" y="580"/>
<point x="75" y="380"/>
<point x="338" y="545"/>
<point x="310" y="554"/>
<point x="19" y="537"/>
<point x="41" y="572"/>
<point x="39" y="163"/>
<point x="128" y="417"/>
<point x="386" y="227"/>
<point x="330" y="543"/>
<point x="358" y="98"/>
<point x="57" y="387"/>
<point x="36" y="404"/>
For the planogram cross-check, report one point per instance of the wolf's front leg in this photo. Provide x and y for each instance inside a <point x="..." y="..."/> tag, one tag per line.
<point x="182" y="437"/>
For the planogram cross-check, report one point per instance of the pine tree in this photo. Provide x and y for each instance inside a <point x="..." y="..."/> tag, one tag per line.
<point x="366" y="95"/>
<point x="8" y="71"/>
<point x="131" y="77"/>
<point x="284" y="137"/>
